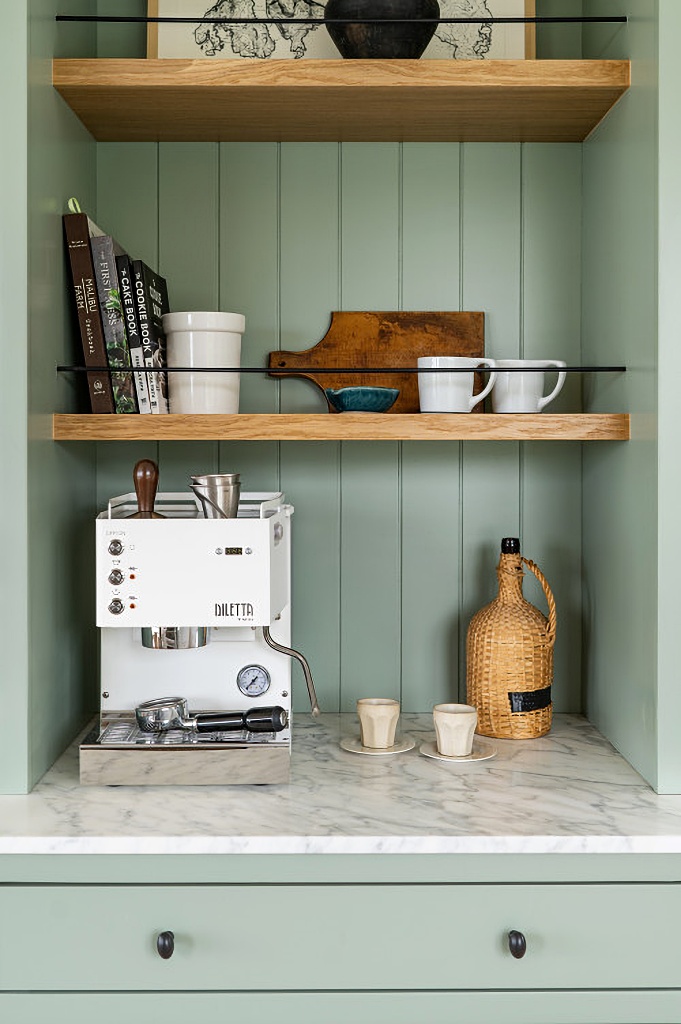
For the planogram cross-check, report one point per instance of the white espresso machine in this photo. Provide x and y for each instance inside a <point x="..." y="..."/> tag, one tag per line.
<point x="188" y="704"/>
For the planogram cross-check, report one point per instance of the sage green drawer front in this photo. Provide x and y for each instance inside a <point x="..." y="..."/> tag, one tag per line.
<point x="342" y="1008"/>
<point x="339" y="937"/>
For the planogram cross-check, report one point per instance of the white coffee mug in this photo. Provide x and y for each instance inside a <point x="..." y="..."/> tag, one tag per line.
<point x="454" y="727"/>
<point x="203" y="339"/>
<point x="378" y="721"/>
<point x="524" y="392"/>
<point x="451" y="392"/>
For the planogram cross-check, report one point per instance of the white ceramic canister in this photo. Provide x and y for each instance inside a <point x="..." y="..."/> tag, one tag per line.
<point x="203" y="339"/>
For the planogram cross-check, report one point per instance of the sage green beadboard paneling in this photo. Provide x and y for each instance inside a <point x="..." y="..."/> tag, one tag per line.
<point x="127" y="196"/>
<point x="121" y="40"/>
<point x="491" y="281"/>
<point x="559" y="41"/>
<point x="551" y="475"/>
<point x="668" y="389"/>
<point x="256" y="461"/>
<point x="309" y="256"/>
<point x="612" y="42"/>
<point x="249" y="259"/>
<point x="430" y="480"/>
<point x="370" y="572"/>
<point x="491" y="242"/>
<point x="620" y="482"/>
<point x="430" y="264"/>
<point x="188" y="257"/>
<point x="61" y="482"/>
<point x="319" y="227"/>
<point x="310" y="475"/>
<point x="249" y="284"/>
<point x="370" y="510"/>
<point x="431" y="561"/>
<point x="310" y="285"/>
<point x="188" y="199"/>
<point x="370" y="228"/>
<point x="14" y="752"/>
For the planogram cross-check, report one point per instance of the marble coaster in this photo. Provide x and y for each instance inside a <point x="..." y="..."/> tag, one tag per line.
<point x="482" y="750"/>
<point x="354" y="745"/>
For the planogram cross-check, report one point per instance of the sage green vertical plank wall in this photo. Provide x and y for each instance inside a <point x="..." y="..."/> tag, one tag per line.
<point x="668" y="389"/>
<point x="189" y="259"/>
<point x="308" y="256"/>
<point x="551" y="475"/>
<point x="431" y="534"/>
<point x="249" y="284"/>
<point x="620" y="480"/>
<point x="491" y="282"/>
<point x="14" y="751"/>
<point x="603" y="41"/>
<point x="370" y="470"/>
<point x="559" y="41"/>
<point x="310" y="285"/>
<point x="121" y="40"/>
<point x="127" y="207"/>
<point x="61" y="483"/>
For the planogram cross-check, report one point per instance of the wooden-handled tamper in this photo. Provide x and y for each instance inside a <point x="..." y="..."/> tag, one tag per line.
<point x="145" y="476"/>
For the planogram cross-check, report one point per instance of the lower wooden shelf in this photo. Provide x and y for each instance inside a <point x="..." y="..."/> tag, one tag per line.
<point x="344" y="427"/>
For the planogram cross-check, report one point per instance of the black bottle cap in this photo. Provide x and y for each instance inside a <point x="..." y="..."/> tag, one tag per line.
<point x="510" y="546"/>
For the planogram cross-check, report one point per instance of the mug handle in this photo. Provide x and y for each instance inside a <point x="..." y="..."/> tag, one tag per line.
<point x="558" y="363"/>
<point x="488" y="387"/>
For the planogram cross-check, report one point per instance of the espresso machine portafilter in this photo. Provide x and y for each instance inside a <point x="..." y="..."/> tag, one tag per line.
<point x="175" y="565"/>
<point x="165" y="714"/>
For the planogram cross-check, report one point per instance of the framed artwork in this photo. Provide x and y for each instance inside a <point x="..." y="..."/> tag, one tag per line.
<point x="272" y="41"/>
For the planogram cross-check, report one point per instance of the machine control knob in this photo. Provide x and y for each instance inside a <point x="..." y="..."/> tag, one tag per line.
<point x="116" y="577"/>
<point x="115" y="547"/>
<point x="116" y="607"/>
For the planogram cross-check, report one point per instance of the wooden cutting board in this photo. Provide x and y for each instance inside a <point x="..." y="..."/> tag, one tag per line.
<point x="393" y="340"/>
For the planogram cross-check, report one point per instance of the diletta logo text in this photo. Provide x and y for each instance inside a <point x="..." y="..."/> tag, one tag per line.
<point x="234" y="610"/>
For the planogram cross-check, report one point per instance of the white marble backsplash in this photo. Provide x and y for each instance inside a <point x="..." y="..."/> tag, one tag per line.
<point x="568" y="792"/>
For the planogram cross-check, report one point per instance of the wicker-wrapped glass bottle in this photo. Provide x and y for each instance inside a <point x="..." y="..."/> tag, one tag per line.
<point x="509" y="655"/>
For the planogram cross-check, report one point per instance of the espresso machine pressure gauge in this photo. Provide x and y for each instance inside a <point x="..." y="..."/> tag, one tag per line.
<point x="253" y="680"/>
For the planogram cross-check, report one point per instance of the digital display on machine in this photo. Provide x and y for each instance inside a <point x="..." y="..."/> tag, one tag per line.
<point x="234" y="551"/>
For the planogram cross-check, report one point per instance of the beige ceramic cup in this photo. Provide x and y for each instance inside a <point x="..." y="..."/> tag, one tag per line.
<point x="377" y="721"/>
<point x="454" y="727"/>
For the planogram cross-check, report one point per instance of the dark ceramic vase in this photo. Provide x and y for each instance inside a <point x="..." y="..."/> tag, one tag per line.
<point x="390" y="40"/>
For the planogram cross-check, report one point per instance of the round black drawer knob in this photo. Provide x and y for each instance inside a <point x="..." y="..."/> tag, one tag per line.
<point x="517" y="944"/>
<point x="165" y="944"/>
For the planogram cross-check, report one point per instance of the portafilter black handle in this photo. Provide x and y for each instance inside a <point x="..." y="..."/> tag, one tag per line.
<point x="256" y="720"/>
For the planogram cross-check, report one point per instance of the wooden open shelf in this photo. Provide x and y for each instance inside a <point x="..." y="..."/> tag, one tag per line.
<point x="344" y="427"/>
<point x="341" y="100"/>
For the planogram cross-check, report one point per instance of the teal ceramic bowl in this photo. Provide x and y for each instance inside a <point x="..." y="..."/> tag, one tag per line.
<point x="362" y="399"/>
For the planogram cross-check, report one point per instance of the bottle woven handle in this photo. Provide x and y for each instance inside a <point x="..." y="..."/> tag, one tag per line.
<point x="550" y="600"/>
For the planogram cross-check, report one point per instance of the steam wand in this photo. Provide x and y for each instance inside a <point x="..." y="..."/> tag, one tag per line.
<point x="267" y="637"/>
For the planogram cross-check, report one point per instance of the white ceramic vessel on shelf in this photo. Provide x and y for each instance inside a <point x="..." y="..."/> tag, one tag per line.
<point x="207" y="340"/>
<point x="520" y="391"/>
<point x="453" y="391"/>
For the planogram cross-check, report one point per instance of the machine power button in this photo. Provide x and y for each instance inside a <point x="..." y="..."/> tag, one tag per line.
<point x="115" y="547"/>
<point x="116" y="577"/>
<point x="116" y="607"/>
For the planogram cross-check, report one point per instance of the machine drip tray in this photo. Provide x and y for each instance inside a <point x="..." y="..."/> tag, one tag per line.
<point x="125" y="734"/>
<point x="120" y="754"/>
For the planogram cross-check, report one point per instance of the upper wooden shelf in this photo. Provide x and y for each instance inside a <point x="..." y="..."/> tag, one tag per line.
<point x="341" y="100"/>
<point x="344" y="427"/>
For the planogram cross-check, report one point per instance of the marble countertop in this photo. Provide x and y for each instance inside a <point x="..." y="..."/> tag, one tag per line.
<point x="568" y="792"/>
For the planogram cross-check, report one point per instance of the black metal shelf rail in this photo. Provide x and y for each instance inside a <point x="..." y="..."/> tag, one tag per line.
<point x="296" y="371"/>
<point x="117" y="19"/>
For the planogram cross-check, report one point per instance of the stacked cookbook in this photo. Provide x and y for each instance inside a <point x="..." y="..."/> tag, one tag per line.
<point x="119" y="304"/>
